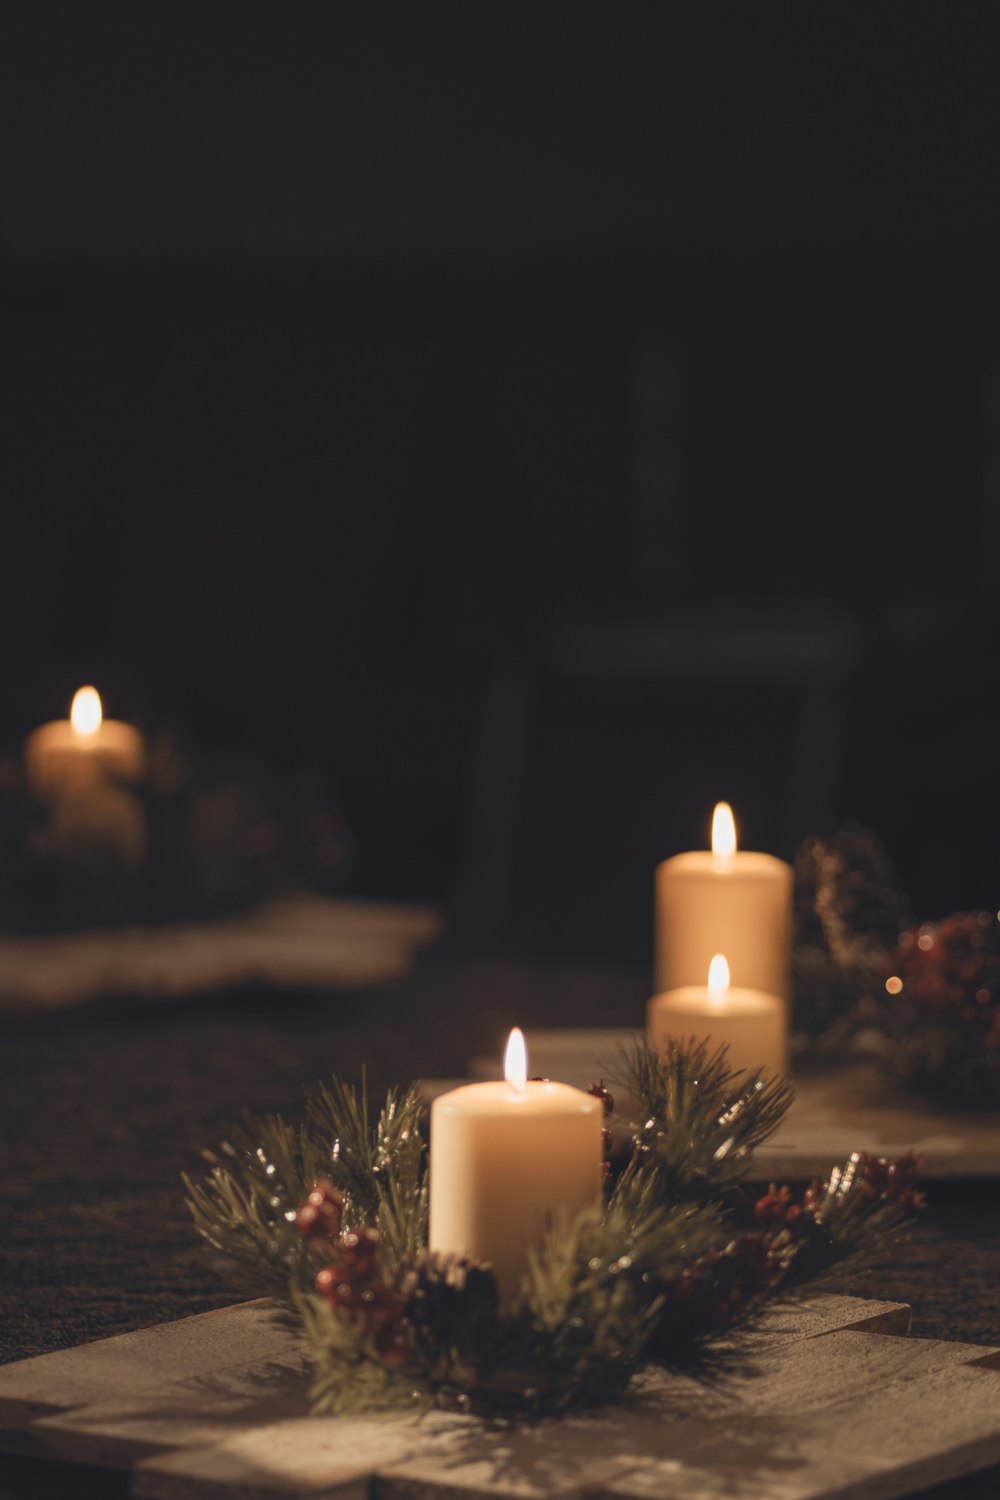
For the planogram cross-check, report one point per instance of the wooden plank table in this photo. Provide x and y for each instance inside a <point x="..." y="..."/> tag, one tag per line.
<point x="832" y="1402"/>
<point x="102" y="1108"/>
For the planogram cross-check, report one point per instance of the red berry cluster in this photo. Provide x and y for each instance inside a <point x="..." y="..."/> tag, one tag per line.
<point x="721" y="1282"/>
<point x="950" y="970"/>
<point x="320" y="1217"/>
<point x="779" y="1209"/>
<point x="349" y="1282"/>
<point x="866" y="1183"/>
<point x="602" y="1092"/>
<point x="351" y="1287"/>
<point x="892" y="1182"/>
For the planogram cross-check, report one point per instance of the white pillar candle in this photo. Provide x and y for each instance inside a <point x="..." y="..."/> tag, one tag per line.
<point x="67" y="753"/>
<point x="750" y="1023"/>
<point x="505" y="1158"/>
<point x="724" y="901"/>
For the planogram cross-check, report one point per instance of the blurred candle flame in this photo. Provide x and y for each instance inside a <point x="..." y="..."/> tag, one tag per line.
<point x="515" y="1061"/>
<point x="723" y="831"/>
<point x="718" y="977"/>
<point x="86" y="713"/>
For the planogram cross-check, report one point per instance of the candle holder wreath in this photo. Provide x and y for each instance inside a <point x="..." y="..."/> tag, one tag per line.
<point x="330" y="1218"/>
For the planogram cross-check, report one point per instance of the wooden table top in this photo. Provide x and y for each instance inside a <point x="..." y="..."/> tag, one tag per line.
<point x="101" y="1110"/>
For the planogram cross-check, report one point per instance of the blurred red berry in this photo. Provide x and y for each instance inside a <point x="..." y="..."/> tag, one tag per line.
<point x="600" y="1091"/>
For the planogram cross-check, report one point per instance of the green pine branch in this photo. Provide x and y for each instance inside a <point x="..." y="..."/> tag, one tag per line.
<point x="851" y="1223"/>
<point x="591" y="1300"/>
<point x="380" y="1168"/>
<point x="245" y="1207"/>
<point x="347" y="1374"/>
<point x="698" y="1121"/>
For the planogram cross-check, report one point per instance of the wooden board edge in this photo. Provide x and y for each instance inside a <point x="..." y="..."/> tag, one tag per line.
<point x="894" y="1321"/>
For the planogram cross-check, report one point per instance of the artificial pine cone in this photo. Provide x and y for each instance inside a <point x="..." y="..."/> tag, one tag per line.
<point x="452" y="1307"/>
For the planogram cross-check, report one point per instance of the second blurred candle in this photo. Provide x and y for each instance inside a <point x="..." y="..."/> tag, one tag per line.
<point x="724" y="901"/>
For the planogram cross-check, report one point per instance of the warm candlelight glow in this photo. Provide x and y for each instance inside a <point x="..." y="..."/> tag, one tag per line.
<point x="750" y="1024"/>
<point x="723" y="831"/>
<point x="515" y="1060"/>
<point x="718" y="977"/>
<point x="86" y="713"/>
<point x="507" y="1158"/>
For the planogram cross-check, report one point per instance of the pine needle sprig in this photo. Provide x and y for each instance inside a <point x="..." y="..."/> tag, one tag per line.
<point x="348" y="1376"/>
<point x="400" y="1175"/>
<point x="658" y="1238"/>
<point x="699" y="1121"/>
<point x="379" y="1168"/>
<point x="401" y="1215"/>
<point x="338" y="1114"/>
<point x="245" y="1207"/>
<point x="590" y="1300"/>
<point x="861" y="1207"/>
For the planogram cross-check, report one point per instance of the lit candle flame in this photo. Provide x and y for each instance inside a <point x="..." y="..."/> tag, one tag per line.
<point x="515" y="1061"/>
<point x="723" y="831"/>
<point x="718" y="977"/>
<point x="86" y="714"/>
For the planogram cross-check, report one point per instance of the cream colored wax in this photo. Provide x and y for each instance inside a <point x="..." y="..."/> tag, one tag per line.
<point x="66" y="754"/>
<point x="505" y="1159"/>
<point x="735" y="903"/>
<point x="750" y="1024"/>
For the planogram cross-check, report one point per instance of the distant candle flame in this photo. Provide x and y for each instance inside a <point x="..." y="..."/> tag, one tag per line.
<point x="718" y="977"/>
<point x="86" y="713"/>
<point x="723" y="831"/>
<point x="515" y="1060"/>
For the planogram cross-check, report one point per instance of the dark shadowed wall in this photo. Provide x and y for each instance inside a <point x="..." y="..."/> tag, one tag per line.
<point x="358" y="357"/>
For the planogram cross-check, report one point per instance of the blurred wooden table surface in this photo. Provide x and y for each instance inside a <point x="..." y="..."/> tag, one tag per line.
<point x="102" y="1109"/>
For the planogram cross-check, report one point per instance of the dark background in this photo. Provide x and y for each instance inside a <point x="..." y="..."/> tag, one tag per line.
<point x="539" y="420"/>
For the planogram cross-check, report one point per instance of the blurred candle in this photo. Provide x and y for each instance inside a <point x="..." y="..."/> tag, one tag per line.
<point x="750" y="1023"/>
<point x="506" y="1157"/>
<point x="724" y="901"/>
<point x="67" y="753"/>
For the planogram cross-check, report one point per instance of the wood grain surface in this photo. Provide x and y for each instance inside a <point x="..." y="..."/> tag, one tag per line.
<point x="100" y="1111"/>
<point x="216" y="1406"/>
